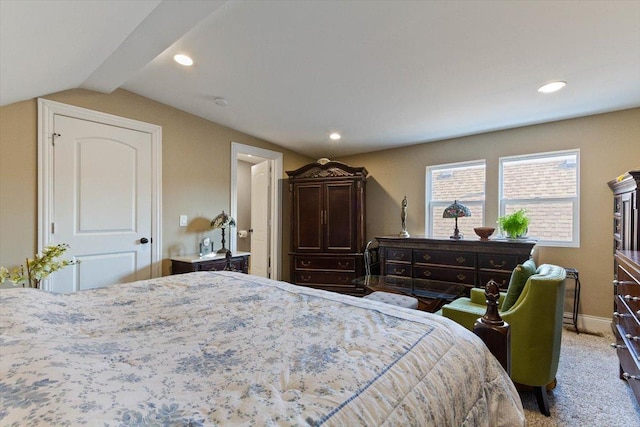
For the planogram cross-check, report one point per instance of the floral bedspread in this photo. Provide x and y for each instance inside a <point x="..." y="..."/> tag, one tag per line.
<point x="223" y="348"/>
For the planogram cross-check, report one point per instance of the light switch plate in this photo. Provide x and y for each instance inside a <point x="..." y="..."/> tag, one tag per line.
<point x="183" y="220"/>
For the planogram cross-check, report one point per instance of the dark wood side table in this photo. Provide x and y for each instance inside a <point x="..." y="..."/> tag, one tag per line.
<point x="431" y="294"/>
<point x="216" y="262"/>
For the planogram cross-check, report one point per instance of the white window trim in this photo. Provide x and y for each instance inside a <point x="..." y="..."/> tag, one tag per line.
<point x="575" y="243"/>
<point x="428" y="224"/>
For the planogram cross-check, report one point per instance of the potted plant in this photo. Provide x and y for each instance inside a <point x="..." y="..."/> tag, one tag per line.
<point x="515" y="224"/>
<point x="38" y="268"/>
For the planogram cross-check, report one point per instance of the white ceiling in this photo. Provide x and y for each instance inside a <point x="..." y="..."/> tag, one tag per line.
<point x="382" y="73"/>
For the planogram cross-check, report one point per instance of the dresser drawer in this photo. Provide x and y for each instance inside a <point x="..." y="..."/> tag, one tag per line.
<point x="326" y="263"/>
<point x="397" y="254"/>
<point x="502" y="279"/>
<point x="211" y="265"/>
<point x="325" y="278"/>
<point x="398" y="269"/>
<point x="497" y="262"/>
<point x="627" y="321"/>
<point x="459" y="259"/>
<point x="446" y="274"/>
<point x="628" y="357"/>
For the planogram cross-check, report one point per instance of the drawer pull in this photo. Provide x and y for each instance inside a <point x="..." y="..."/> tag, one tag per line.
<point x="398" y="256"/>
<point x="305" y="263"/>
<point x="398" y="272"/>
<point x="305" y="278"/>
<point x="460" y="259"/>
<point x="461" y="277"/>
<point x="630" y="337"/>
<point x="426" y="273"/>
<point x="496" y="265"/>
<point x="630" y="377"/>
<point x="345" y="265"/>
<point x="618" y="346"/>
<point x="343" y="279"/>
<point x="630" y="298"/>
<point x="426" y="257"/>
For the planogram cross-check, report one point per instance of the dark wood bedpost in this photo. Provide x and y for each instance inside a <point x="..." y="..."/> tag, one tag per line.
<point x="495" y="332"/>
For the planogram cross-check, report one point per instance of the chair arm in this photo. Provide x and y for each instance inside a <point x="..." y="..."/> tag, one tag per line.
<point x="464" y="312"/>
<point x="478" y="297"/>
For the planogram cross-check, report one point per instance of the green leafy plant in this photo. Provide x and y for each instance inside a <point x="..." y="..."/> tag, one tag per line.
<point x="38" y="268"/>
<point x="515" y="224"/>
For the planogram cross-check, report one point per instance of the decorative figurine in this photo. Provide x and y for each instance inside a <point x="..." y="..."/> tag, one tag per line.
<point x="403" y="217"/>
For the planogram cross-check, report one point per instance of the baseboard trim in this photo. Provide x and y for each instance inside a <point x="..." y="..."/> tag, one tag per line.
<point x="590" y="324"/>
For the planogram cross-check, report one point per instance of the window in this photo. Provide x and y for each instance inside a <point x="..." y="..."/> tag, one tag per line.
<point x="463" y="182"/>
<point x="546" y="186"/>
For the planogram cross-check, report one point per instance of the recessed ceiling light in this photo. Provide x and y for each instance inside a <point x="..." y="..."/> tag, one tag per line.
<point x="183" y="60"/>
<point x="335" y="136"/>
<point x="552" y="87"/>
<point x="222" y="102"/>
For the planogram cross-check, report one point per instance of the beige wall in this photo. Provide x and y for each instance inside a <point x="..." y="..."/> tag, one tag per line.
<point x="609" y="146"/>
<point x="195" y="171"/>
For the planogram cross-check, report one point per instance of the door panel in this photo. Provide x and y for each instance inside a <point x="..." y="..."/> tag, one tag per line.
<point x="110" y="267"/>
<point x="101" y="203"/>
<point x="339" y="217"/>
<point x="95" y="199"/>
<point x="308" y="212"/>
<point x="260" y="209"/>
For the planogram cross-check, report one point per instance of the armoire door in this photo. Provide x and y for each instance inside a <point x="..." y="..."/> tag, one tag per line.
<point x="308" y="215"/>
<point x="339" y="221"/>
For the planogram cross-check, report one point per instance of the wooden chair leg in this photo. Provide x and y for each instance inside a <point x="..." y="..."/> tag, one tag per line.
<point x="541" y="397"/>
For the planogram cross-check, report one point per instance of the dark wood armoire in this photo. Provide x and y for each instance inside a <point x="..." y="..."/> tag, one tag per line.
<point x="327" y="202"/>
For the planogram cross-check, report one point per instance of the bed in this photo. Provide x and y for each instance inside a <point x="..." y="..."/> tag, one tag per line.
<point x="224" y="348"/>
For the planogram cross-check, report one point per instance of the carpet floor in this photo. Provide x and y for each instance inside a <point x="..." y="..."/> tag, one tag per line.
<point x="589" y="391"/>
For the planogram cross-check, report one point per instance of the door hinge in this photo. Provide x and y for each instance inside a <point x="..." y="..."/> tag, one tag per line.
<point x="53" y="227"/>
<point x="53" y="138"/>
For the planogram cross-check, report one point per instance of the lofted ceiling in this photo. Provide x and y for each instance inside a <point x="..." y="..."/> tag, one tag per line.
<point x="381" y="73"/>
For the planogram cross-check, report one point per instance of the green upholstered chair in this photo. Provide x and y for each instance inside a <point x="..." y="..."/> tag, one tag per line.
<point x="536" y="327"/>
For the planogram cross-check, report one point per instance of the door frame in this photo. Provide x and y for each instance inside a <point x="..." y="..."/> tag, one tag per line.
<point x="276" y="163"/>
<point x="47" y="109"/>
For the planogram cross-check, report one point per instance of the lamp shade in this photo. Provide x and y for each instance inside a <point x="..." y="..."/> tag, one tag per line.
<point x="456" y="210"/>
<point x="223" y="220"/>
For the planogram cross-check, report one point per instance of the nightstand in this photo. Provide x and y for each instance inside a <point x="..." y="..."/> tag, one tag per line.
<point x="216" y="262"/>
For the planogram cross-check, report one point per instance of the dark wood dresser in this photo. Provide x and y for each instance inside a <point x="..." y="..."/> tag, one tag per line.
<point x="626" y="276"/>
<point x="327" y="226"/>
<point x="470" y="262"/>
<point x="217" y="262"/>
<point x="626" y="317"/>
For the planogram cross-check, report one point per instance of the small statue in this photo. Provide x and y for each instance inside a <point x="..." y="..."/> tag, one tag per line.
<point x="403" y="217"/>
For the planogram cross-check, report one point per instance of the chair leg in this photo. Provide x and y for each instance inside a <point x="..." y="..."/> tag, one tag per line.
<point x="541" y="397"/>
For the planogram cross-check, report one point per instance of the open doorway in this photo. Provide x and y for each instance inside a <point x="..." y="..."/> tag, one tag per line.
<point x="255" y="186"/>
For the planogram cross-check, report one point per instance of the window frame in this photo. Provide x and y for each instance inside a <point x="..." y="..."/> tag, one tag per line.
<point x="575" y="242"/>
<point x="429" y="203"/>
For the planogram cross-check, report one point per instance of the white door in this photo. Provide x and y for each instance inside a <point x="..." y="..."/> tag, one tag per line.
<point x="101" y="203"/>
<point x="260" y="197"/>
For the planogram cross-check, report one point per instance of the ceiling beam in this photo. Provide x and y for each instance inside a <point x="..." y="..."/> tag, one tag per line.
<point x="166" y="24"/>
